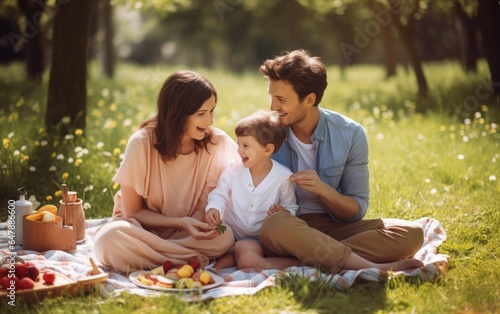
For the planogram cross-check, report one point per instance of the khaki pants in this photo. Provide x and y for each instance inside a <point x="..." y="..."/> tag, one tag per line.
<point x="319" y="241"/>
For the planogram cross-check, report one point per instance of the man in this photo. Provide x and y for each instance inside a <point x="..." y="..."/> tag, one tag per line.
<point x="328" y="154"/>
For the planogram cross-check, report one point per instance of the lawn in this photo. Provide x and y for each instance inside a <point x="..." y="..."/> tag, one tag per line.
<point x="437" y="157"/>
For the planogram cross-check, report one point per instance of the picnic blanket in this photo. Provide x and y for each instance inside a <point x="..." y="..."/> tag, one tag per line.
<point x="76" y="265"/>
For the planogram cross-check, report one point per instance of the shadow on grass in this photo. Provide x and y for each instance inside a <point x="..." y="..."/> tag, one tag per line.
<point x="320" y="295"/>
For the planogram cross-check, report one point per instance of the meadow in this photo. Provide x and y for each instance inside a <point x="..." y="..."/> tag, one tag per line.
<point x="429" y="157"/>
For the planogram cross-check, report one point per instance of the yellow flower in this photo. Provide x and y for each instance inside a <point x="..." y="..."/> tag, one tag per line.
<point x="115" y="186"/>
<point x="58" y="193"/>
<point x="113" y="107"/>
<point x="78" y="162"/>
<point x="122" y="142"/>
<point x="78" y="132"/>
<point x="49" y="198"/>
<point x="65" y="176"/>
<point x="37" y="143"/>
<point x="6" y="142"/>
<point x="26" y="158"/>
<point x="117" y="151"/>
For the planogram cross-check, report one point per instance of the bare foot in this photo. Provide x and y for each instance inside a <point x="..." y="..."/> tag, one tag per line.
<point x="403" y="264"/>
<point x="224" y="261"/>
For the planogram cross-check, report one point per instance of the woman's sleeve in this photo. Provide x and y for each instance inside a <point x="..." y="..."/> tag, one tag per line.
<point x="134" y="168"/>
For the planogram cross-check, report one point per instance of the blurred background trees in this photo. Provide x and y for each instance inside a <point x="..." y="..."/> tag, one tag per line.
<point x="238" y="35"/>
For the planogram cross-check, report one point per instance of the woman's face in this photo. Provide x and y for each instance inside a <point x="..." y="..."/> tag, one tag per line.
<point x="197" y="123"/>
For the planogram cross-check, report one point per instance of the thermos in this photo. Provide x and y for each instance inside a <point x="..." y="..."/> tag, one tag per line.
<point x="23" y="207"/>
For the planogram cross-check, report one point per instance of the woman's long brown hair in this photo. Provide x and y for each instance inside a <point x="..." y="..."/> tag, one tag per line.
<point x="182" y="95"/>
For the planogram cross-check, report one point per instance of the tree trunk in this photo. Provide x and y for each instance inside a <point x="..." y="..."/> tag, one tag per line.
<point x="469" y="41"/>
<point x="33" y="48"/>
<point x="389" y="52"/>
<point x="407" y="33"/>
<point x="67" y="86"/>
<point x="108" y="58"/>
<point x="489" y="17"/>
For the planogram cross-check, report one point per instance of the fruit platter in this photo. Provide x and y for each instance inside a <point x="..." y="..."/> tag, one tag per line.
<point x="176" y="278"/>
<point x="27" y="281"/>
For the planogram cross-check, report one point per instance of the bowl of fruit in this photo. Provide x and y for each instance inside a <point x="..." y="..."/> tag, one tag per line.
<point x="172" y="277"/>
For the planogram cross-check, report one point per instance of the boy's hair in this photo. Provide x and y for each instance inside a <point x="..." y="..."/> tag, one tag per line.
<point x="264" y="126"/>
<point x="306" y="73"/>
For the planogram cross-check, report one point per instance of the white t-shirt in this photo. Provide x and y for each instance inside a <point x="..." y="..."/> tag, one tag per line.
<point x="244" y="206"/>
<point x="308" y="203"/>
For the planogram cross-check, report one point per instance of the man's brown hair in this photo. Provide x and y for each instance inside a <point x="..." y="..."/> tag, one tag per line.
<point x="307" y="74"/>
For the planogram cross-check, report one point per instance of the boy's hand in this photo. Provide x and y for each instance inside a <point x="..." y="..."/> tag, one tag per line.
<point x="212" y="217"/>
<point x="274" y="208"/>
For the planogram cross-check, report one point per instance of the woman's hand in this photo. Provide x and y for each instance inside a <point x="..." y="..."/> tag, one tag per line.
<point x="199" y="230"/>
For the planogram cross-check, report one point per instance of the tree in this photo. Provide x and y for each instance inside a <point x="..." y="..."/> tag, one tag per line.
<point x="67" y="95"/>
<point x="468" y="20"/>
<point x="402" y="17"/>
<point x="489" y="17"/>
<point x="33" y="45"/>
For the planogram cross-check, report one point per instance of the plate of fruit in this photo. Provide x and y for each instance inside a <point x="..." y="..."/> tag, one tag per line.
<point x="176" y="278"/>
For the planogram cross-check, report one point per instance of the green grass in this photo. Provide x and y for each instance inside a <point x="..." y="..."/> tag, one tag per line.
<point x="437" y="157"/>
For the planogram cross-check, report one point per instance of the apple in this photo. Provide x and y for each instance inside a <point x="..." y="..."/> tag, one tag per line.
<point x="167" y="265"/>
<point x="4" y="271"/>
<point x="29" y="263"/>
<point x="172" y="276"/>
<point x="205" y="277"/>
<point x="165" y="282"/>
<point x="20" y="270"/>
<point x="186" y="271"/>
<point x="196" y="276"/>
<point x="194" y="263"/>
<point x="32" y="272"/>
<point x="49" y="277"/>
<point x="158" y="271"/>
<point x="5" y="282"/>
<point x="26" y="283"/>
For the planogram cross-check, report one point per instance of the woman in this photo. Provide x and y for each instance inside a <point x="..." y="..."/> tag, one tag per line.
<point x="170" y="166"/>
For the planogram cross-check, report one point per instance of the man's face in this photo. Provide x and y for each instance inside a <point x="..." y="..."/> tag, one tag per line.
<point x="285" y="101"/>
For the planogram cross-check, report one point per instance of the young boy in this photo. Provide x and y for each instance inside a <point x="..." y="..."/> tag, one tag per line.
<point x="249" y="189"/>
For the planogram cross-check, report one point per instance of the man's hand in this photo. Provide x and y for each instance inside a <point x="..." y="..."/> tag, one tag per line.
<point x="309" y="181"/>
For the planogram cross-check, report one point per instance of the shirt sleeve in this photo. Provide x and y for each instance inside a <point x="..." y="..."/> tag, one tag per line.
<point x="355" y="178"/>
<point x="287" y="197"/>
<point x="219" y="196"/>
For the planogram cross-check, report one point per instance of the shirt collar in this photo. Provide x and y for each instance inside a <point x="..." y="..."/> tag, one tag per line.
<point x="319" y="133"/>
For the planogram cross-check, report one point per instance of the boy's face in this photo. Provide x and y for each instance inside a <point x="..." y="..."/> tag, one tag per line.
<point x="252" y="153"/>
<point x="285" y="101"/>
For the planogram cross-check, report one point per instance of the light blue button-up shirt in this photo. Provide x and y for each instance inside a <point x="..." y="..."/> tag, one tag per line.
<point x="341" y="159"/>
